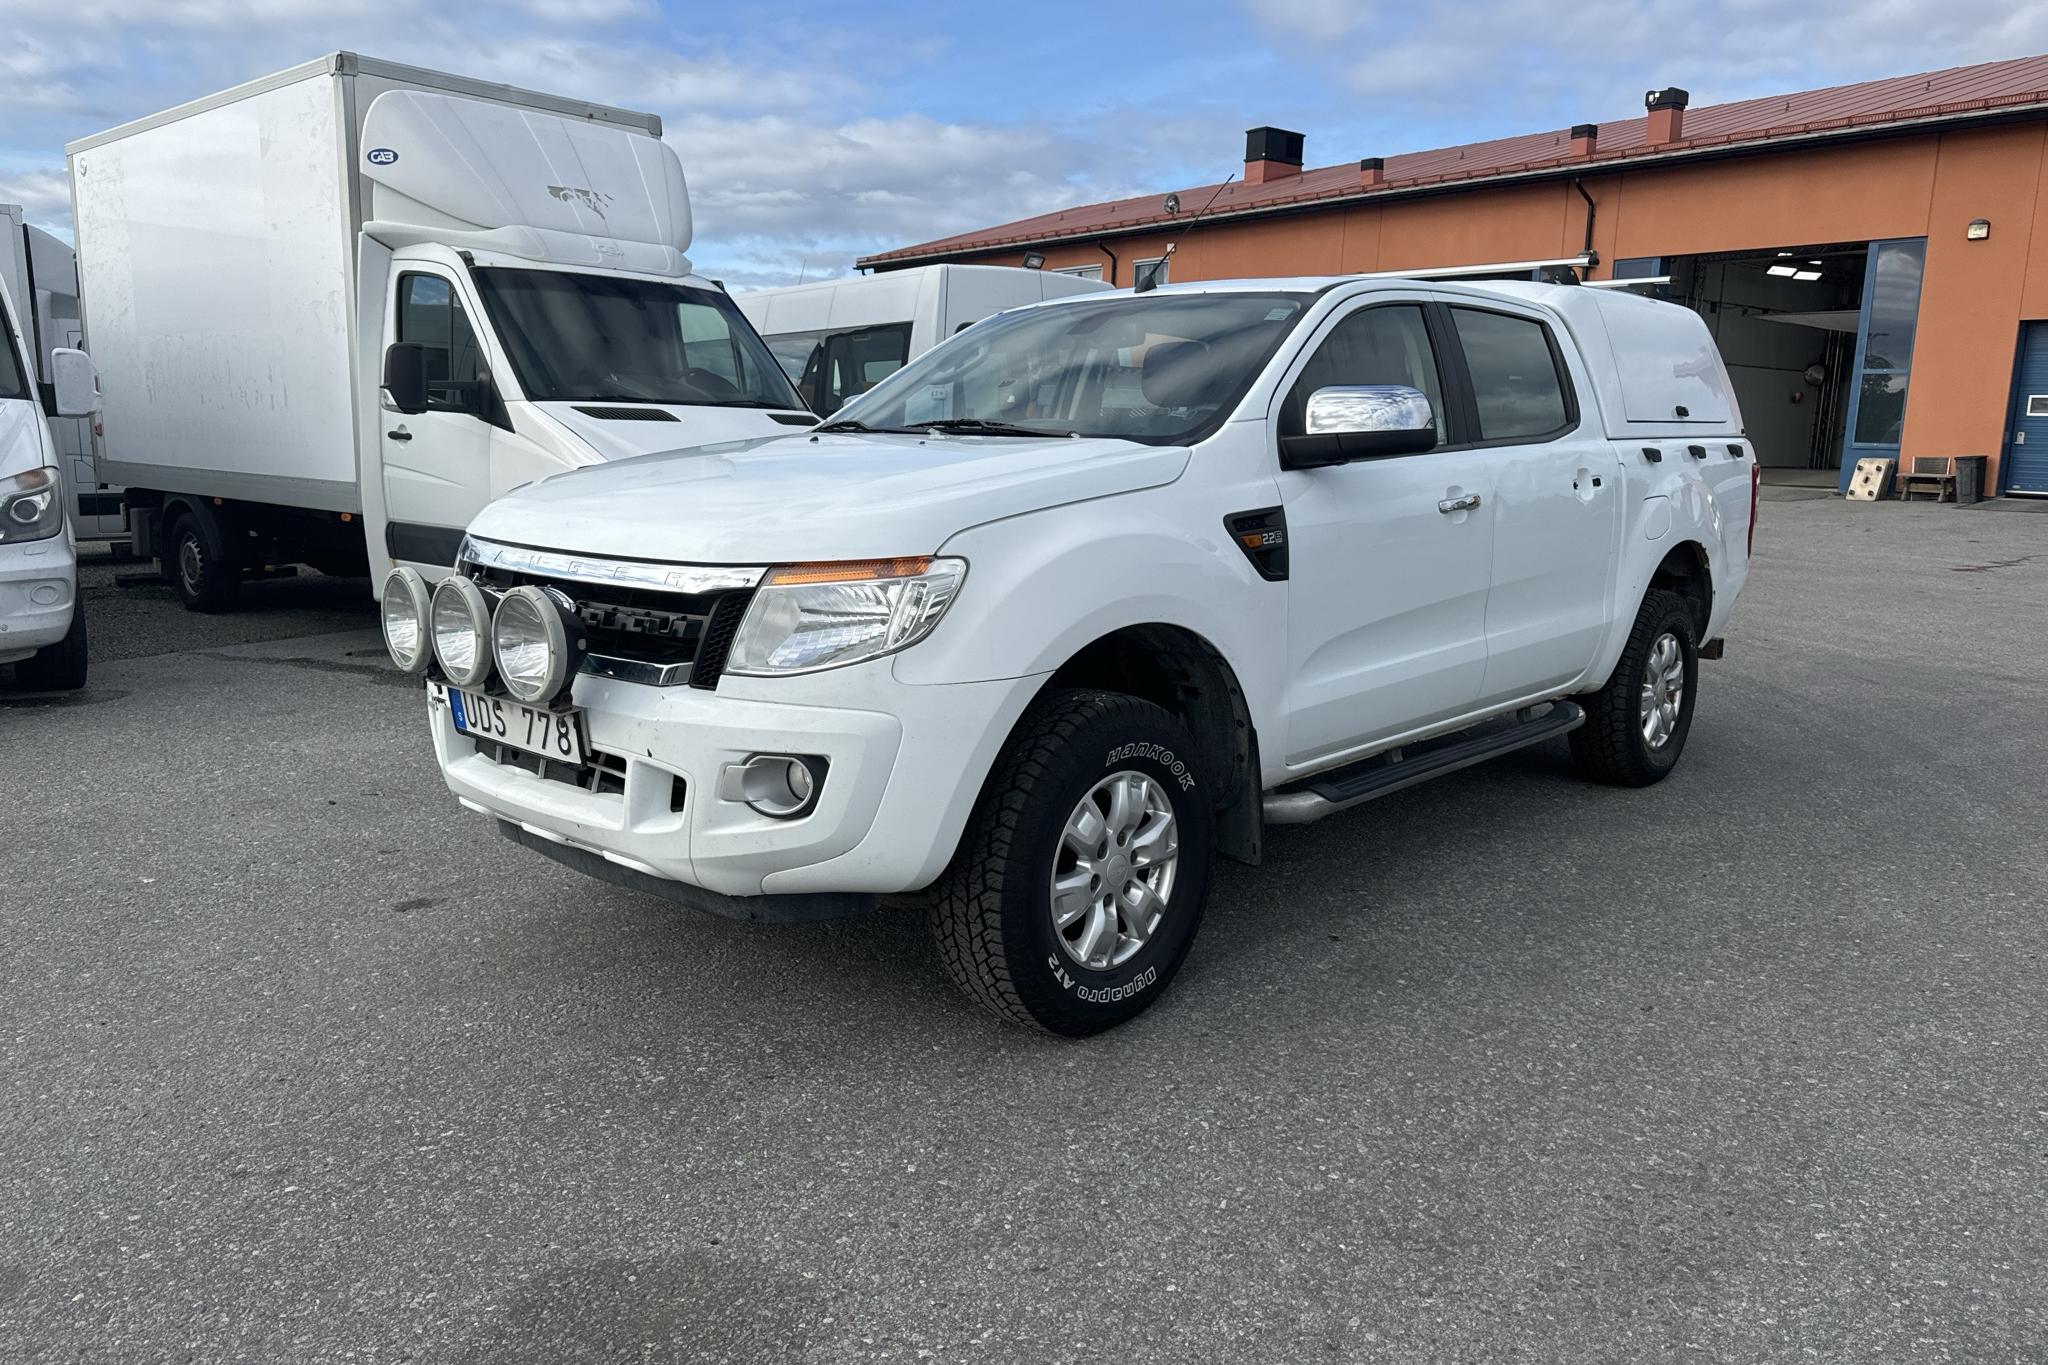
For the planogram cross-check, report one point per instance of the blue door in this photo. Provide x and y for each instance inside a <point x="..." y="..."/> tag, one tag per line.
<point x="2026" y="438"/>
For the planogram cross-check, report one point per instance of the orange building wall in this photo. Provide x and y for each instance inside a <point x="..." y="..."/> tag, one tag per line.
<point x="1973" y="298"/>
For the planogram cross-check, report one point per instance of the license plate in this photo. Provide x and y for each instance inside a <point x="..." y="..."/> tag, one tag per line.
<point x="551" y="734"/>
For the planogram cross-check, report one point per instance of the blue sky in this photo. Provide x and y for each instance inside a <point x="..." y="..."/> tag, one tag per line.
<point x="813" y="133"/>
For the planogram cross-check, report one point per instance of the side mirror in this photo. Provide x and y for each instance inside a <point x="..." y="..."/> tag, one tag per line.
<point x="405" y="377"/>
<point x="75" y="383"/>
<point x="1347" y="422"/>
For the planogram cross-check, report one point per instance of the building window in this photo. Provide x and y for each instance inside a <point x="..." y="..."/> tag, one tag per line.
<point x="1148" y="274"/>
<point x="1891" y="313"/>
<point x="1082" y="272"/>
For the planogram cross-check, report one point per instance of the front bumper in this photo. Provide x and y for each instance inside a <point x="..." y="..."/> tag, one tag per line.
<point x="905" y="764"/>
<point x="38" y="591"/>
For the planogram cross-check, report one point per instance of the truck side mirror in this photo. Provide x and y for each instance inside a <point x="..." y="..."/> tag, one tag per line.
<point x="405" y="377"/>
<point x="74" y="382"/>
<point x="1347" y="422"/>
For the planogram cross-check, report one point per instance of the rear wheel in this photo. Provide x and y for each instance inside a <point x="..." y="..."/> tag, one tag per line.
<point x="59" y="667"/>
<point x="1080" y="880"/>
<point x="1637" y="724"/>
<point x="206" y="579"/>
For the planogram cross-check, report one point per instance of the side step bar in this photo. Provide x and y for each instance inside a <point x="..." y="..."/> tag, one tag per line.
<point x="1312" y="798"/>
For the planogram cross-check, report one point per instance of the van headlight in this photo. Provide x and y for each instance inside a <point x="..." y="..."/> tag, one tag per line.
<point x="462" y="632"/>
<point x="406" y="608"/>
<point x="807" y="617"/>
<point x="31" y="506"/>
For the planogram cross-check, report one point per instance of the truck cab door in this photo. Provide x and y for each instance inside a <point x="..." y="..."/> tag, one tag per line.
<point x="1557" y="498"/>
<point x="1389" y="557"/>
<point x="436" y="462"/>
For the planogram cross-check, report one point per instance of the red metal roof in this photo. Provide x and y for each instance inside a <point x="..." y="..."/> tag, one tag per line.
<point x="1957" y="92"/>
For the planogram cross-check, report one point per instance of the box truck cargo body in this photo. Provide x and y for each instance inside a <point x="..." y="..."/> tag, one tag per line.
<point x="341" y="308"/>
<point x="836" y="339"/>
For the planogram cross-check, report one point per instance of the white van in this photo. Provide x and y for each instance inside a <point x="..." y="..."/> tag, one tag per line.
<point x="41" y="272"/>
<point x="341" y="308"/>
<point x="42" y="622"/>
<point x="839" y="338"/>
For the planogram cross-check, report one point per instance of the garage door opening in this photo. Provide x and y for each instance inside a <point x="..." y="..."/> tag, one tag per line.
<point x="1786" y="322"/>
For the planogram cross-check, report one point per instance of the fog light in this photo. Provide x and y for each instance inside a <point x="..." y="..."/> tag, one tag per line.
<point x="462" y="632"/>
<point x="530" y="636"/>
<point x="406" y="608"/>
<point x="780" y="786"/>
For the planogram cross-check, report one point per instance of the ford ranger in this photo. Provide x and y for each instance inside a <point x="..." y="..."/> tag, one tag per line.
<point x="1084" y="598"/>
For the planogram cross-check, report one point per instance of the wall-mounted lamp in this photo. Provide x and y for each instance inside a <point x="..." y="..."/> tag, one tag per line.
<point x="1034" y="260"/>
<point x="1978" y="230"/>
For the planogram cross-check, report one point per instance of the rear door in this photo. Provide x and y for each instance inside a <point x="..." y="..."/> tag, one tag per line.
<point x="437" y="463"/>
<point x="1557" y="497"/>
<point x="1389" y="558"/>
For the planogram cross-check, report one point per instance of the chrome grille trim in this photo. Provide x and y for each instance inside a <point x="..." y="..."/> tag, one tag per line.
<point x="678" y="578"/>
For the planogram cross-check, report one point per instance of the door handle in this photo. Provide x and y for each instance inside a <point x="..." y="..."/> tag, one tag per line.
<point x="399" y="435"/>
<point x="1464" y="504"/>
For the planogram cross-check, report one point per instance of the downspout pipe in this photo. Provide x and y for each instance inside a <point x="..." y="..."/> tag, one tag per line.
<point x="1112" y="262"/>
<point x="1590" y="211"/>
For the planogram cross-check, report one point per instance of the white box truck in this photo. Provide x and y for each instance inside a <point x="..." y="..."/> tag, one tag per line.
<point x="341" y="308"/>
<point x="836" y="339"/>
<point x="38" y="269"/>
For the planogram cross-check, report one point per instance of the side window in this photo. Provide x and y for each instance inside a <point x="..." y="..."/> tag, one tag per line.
<point x="1383" y="345"/>
<point x="430" y="314"/>
<point x="1515" y="380"/>
<point x="857" y="361"/>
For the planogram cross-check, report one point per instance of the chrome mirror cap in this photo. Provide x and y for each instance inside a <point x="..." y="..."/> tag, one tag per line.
<point x="1348" y="409"/>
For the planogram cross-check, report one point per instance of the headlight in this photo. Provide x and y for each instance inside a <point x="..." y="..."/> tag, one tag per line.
<point x="31" y="506"/>
<point x="407" y="606"/>
<point x="806" y="617"/>
<point x="462" y="632"/>
<point x="532" y="640"/>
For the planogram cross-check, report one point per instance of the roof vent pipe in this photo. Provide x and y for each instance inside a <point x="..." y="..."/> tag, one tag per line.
<point x="1667" y="114"/>
<point x="1585" y="138"/>
<point x="1372" y="172"/>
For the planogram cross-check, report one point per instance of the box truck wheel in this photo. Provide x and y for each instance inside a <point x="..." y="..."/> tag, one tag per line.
<point x="59" y="667"/>
<point x="197" y="558"/>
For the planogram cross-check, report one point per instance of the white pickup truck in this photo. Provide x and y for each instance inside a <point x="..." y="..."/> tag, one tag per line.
<point x="1089" y="594"/>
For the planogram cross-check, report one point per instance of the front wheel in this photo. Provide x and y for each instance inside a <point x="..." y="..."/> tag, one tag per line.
<point x="1080" y="880"/>
<point x="59" y="667"/>
<point x="1636" y="725"/>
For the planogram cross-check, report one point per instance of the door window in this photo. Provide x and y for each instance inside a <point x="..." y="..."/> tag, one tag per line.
<point x="430" y="313"/>
<point x="1516" y="384"/>
<point x="857" y="361"/>
<point x="1383" y="345"/>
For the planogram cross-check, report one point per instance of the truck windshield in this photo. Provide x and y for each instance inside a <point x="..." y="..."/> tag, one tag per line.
<point x="1163" y="369"/>
<point x="580" y="338"/>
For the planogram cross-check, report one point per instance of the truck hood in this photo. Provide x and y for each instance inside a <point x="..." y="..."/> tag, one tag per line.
<point x="798" y="497"/>
<point x="617" y="437"/>
<point x="21" y="440"/>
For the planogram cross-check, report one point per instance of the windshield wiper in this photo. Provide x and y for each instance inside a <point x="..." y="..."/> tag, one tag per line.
<point x="849" y="424"/>
<point x="976" y="426"/>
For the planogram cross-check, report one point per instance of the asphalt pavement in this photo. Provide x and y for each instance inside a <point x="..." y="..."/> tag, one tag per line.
<point x="300" y="1062"/>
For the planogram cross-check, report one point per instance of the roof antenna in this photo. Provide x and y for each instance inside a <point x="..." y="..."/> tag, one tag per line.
<point x="1151" y="281"/>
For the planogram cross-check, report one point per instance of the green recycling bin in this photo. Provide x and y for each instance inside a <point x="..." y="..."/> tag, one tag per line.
<point x="1970" y="478"/>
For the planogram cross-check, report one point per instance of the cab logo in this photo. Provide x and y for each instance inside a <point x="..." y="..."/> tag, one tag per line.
<point x="380" y="156"/>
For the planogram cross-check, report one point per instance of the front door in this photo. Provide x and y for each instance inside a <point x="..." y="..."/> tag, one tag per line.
<point x="1389" y="558"/>
<point x="436" y="463"/>
<point x="2026" y="437"/>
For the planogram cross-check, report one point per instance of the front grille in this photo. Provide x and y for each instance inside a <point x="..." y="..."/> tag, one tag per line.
<point x="664" y="638"/>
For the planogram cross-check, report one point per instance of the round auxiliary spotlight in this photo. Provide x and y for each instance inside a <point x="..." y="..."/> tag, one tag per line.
<point x="531" y="639"/>
<point x="407" y="607"/>
<point x="462" y="632"/>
